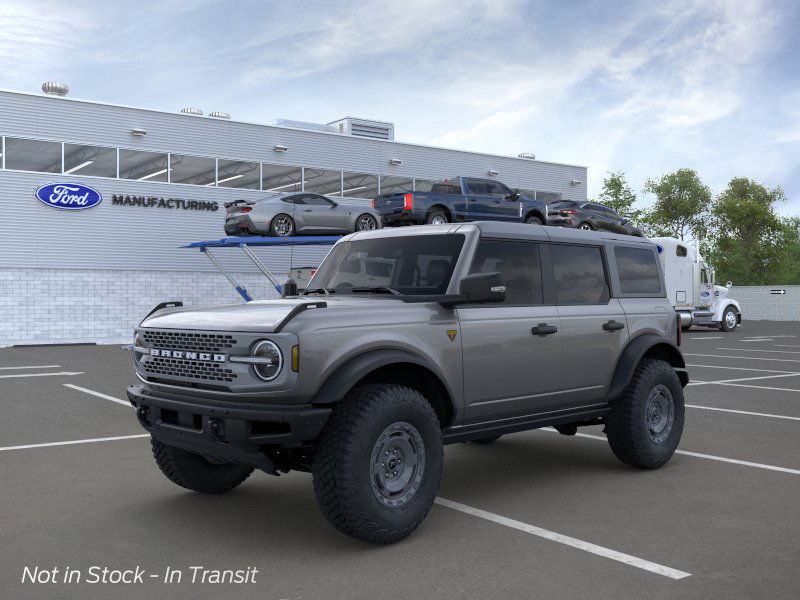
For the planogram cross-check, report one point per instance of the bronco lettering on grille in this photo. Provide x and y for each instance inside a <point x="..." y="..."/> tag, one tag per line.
<point x="204" y="356"/>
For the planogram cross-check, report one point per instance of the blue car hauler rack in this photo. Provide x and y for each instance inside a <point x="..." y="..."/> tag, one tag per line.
<point x="246" y="242"/>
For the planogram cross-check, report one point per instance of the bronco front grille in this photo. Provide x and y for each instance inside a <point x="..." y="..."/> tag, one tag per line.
<point x="191" y="369"/>
<point x="179" y="340"/>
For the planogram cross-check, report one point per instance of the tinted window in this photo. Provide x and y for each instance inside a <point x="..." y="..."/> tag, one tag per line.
<point x="476" y="186"/>
<point x="279" y="178"/>
<point x="495" y="188"/>
<point x="196" y="170"/>
<point x="239" y="174"/>
<point x="322" y="181"/>
<point x="681" y="251"/>
<point x="638" y="271"/>
<point x="144" y="166"/>
<point x="563" y="204"/>
<point x="316" y="200"/>
<point x="579" y="274"/>
<point x="33" y="155"/>
<point x="90" y="160"/>
<point x="446" y="187"/>
<point x="519" y="264"/>
<point x="410" y="264"/>
<point x="294" y="199"/>
<point x="360" y="185"/>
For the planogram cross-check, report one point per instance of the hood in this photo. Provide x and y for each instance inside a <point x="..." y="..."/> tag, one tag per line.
<point x="721" y="291"/>
<point x="262" y="316"/>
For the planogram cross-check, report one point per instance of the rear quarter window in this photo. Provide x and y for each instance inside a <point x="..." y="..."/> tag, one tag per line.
<point x="638" y="270"/>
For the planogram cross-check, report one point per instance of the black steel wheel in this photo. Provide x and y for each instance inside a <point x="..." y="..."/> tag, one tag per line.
<point x="281" y="226"/>
<point x="378" y="463"/>
<point x="646" y="423"/>
<point x="366" y="222"/>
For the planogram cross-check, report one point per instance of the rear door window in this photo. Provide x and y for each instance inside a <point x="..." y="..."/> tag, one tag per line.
<point x="638" y="270"/>
<point x="519" y="264"/>
<point x="580" y="275"/>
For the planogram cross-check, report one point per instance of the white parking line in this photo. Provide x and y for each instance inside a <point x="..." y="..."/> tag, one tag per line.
<point x="740" y="368"/>
<point x="735" y="380"/>
<point x="98" y="394"/>
<point x="744" y="412"/>
<point x="787" y="346"/>
<point x="743" y="357"/>
<point x="31" y="367"/>
<point x="699" y="455"/>
<point x="713" y="337"/>
<point x="564" y="539"/>
<point x="754" y="350"/>
<point x="758" y="340"/>
<point x="71" y="442"/>
<point x="761" y="387"/>
<point x="41" y="374"/>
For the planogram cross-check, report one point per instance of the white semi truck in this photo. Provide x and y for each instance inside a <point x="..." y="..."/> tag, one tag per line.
<point x="692" y="290"/>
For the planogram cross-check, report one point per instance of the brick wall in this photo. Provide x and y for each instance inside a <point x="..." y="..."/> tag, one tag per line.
<point x="47" y="306"/>
<point x="759" y="304"/>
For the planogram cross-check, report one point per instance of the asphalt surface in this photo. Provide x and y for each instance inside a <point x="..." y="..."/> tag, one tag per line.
<point x="720" y="520"/>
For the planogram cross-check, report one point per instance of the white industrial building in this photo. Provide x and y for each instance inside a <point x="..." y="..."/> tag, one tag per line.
<point x="90" y="275"/>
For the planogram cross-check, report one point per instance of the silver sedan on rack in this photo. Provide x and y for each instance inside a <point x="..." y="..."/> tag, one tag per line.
<point x="298" y="213"/>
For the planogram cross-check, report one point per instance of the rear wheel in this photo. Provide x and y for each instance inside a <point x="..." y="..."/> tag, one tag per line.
<point x="533" y="220"/>
<point x="729" y="320"/>
<point x="646" y="423"/>
<point x="366" y="222"/>
<point x="437" y="216"/>
<point x="281" y="226"/>
<point x="378" y="463"/>
<point x="193" y="472"/>
<point x="585" y="226"/>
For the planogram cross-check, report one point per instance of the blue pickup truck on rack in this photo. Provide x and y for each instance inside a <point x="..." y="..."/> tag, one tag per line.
<point x="460" y="199"/>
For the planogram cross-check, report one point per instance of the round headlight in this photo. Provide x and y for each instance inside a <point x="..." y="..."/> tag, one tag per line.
<point x="269" y="369"/>
<point x="138" y="342"/>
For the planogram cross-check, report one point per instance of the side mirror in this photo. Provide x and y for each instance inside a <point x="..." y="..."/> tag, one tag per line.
<point x="289" y="288"/>
<point x="483" y="287"/>
<point x="334" y="204"/>
<point x="729" y="285"/>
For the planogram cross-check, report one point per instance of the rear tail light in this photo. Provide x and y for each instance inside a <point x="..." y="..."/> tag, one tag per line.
<point x="246" y="209"/>
<point x="373" y="203"/>
<point x="408" y="201"/>
<point x="569" y="212"/>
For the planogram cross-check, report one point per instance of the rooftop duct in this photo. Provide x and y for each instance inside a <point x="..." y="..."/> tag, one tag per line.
<point x="377" y="130"/>
<point x="527" y="155"/>
<point x="219" y="115"/>
<point x="51" y="88"/>
<point x="192" y="111"/>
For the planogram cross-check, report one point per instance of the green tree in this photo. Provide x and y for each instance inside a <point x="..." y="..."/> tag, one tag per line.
<point x="751" y="243"/>
<point x="617" y="194"/>
<point x="681" y="205"/>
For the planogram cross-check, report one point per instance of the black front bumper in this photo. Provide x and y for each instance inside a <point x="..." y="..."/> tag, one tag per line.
<point x="226" y="431"/>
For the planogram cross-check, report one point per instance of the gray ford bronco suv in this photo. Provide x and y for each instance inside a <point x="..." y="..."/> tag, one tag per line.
<point x="406" y="340"/>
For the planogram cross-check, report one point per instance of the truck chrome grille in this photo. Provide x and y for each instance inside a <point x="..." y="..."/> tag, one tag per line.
<point x="187" y="369"/>
<point x="178" y="340"/>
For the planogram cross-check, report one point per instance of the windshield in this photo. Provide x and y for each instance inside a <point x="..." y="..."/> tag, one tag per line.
<point x="412" y="265"/>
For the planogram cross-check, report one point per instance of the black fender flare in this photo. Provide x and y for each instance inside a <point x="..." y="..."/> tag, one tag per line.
<point x="632" y="355"/>
<point x="353" y="370"/>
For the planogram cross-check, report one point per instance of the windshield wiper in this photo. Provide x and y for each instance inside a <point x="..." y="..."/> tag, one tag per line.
<point x="376" y="290"/>
<point x="325" y="291"/>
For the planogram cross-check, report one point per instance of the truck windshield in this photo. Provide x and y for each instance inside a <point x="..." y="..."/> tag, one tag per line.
<point x="408" y="264"/>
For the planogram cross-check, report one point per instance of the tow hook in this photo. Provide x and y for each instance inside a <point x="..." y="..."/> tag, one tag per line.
<point x="217" y="429"/>
<point x="143" y="414"/>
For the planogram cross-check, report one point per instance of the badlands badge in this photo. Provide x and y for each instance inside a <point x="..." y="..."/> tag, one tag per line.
<point x="452" y="333"/>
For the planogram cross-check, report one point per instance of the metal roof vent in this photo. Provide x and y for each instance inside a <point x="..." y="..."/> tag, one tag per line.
<point x="527" y="155"/>
<point x="377" y="130"/>
<point x="192" y="111"/>
<point x="51" y="88"/>
<point x="219" y="115"/>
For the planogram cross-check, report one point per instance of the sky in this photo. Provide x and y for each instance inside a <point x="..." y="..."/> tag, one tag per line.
<point x="639" y="87"/>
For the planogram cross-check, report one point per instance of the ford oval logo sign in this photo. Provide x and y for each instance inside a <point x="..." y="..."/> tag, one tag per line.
<point x="68" y="196"/>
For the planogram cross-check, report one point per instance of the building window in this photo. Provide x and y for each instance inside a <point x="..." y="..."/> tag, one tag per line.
<point x="279" y="178"/>
<point x="238" y="174"/>
<point x="423" y="185"/>
<point x="97" y="161"/>
<point x="321" y="181"/>
<point x="144" y="166"/>
<point x="33" y="155"/>
<point x="396" y="185"/>
<point x="194" y="170"/>
<point x="359" y="185"/>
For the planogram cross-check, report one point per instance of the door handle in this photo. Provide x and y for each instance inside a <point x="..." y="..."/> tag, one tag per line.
<point x="612" y="325"/>
<point x="544" y="329"/>
<point x="308" y="210"/>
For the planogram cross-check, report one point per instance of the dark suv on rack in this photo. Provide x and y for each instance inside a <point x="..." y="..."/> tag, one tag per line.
<point x="408" y="339"/>
<point x="589" y="216"/>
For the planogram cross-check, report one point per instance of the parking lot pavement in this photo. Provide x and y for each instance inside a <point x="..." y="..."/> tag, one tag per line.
<point x="552" y="516"/>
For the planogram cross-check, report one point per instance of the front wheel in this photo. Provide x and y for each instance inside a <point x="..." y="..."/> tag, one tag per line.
<point x="729" y="320"/>
<point x="646" y="423"/>
<point x="366" y="223"/>
<point x="281" y="226"/>
<point x="193" y="472"/>
<point x="378" y="463"/>
<point x="585" y="226"/>
<point x="533" y="220"/>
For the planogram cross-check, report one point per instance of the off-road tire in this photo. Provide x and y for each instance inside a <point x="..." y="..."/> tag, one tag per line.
<point x="533" y="220"/>
<point x="343" y="466"/>
<point x="434" y="213"/>
<point x="193" y="472"/>
<point x="723" y="325"/>
<point x="487" y="440"/>
<point x="627" y="423"/>
<point x="273" y="232"/>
